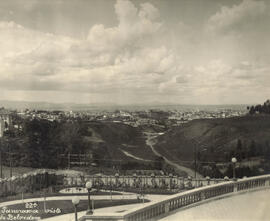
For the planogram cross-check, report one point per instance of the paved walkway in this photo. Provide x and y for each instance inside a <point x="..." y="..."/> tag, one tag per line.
<point x="70" y="216"/>
<point x="113" y="209"/>
<point x="252" y="206"/>
<point x="102" y="211"/>
<point x="95" y="197"/>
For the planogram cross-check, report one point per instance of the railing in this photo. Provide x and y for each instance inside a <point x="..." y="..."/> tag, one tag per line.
<point x="54" y="180"/>
<point x="180" y="200"/>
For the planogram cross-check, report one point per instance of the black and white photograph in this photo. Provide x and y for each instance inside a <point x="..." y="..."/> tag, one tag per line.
<point x="135" y="110"/>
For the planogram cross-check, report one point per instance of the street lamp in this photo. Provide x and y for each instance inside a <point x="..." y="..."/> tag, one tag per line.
<point x="234" y="160"/>
<point x="135" y="183"/>
<point x="135" y="180"/>
<point x="189" y="183"/>
<point x="88" y="186"/>
<point x="12" y="183"/>
<point x="226" y="178"/>
<point x="170" y="180"/>
<point x="23" y="187"/>
<point x="111" y="186"/>
<point x="75" y="202"/>
<point x="142" y="191"/>
<point x="195" y="161"/>
<point x="208" y="180"/>
<point x="116" y="180"/>
<point x="153" y="180"/>
<point x="44" y="204"/>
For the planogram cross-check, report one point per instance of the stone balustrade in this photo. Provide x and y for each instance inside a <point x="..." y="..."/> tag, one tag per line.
<point x="184" y="199"/>
<point x="42" y="179"/>
<point x="161" y="182"/>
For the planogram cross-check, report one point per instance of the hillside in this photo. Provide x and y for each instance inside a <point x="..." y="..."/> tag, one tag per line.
<point x="217" y="140"/>
<point x="116" y="138"/>
<point x="48" y="144"/>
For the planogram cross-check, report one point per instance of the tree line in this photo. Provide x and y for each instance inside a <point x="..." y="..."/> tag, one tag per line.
<point x="49" y="144"/>
<point x="40" y="143"/>
<point x="261" y="109"/>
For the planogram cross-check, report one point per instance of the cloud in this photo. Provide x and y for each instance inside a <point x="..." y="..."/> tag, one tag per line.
<point x="138" y="57"/>
<point x="213" y="80"/>
<point x="237" y="16"/>
<point x="134" y="25"/>
<point x="29" y="56"/>
<point x="148" y="11"/>
<point x="109" y="59"/>
<point x="252" y="72"/>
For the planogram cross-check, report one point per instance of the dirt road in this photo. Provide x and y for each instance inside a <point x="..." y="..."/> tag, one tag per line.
<point x="151" y="141"/>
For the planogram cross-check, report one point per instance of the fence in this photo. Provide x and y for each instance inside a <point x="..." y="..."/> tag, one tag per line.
<point x="42" y="179"/>
<point x="31" y="182"/>
<point x="138" y="181"/>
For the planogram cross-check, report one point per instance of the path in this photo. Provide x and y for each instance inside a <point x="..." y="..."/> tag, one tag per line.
<point x="134" y="157"/>
<point x="95" y="197"/>
<point x="106" y="210"/>
<point x="70" y="216"/>
<point x="151" y="141"/>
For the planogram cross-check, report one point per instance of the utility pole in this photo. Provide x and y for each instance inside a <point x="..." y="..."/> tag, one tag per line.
<point x="195" y="163"/>
<point x="68" y="160"/>
<point x="10" y="162"/>
<point x="1" y="165"/>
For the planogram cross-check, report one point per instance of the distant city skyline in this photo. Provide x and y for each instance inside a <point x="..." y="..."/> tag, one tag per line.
<point x="8" y="104"/>
<point x="135" y="51"/>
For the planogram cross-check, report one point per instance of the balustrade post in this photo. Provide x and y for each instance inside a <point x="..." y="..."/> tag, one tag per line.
<point x="235" y="189"/>
<point x="267" y="183"/>
<point x="170" y="181"/>
<point x="167" y="207"/>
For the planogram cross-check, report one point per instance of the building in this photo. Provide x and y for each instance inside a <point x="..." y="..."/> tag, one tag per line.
<point x="5" y="120"/>
<point x="2" y="127"/>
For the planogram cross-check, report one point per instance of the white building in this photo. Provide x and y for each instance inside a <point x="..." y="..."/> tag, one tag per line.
<point x="2" y="127"/>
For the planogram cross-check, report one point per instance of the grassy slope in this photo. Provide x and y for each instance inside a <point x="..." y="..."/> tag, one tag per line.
<point x="110" y="138"/>
<point x="217" y="136"/>
<point x="107" y="139"/>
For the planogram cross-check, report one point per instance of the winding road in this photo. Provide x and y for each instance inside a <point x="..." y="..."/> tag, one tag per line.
<point x="134" y="157"/>
<point x="151" y="141"/>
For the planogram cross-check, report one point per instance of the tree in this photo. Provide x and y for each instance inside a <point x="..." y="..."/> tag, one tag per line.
<point x="239" y="150"/>
<point x="158" y="164"/>
<point x="265" y="108"/>
<point x="251" y="149"/>
<point x="252" y="110"/>
<point x="267" y="150"/>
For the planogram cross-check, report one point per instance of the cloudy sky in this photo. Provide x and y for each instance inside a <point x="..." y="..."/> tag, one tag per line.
<point x="137" y="51"/>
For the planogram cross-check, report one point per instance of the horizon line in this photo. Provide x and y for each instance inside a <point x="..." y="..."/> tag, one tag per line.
<point x="122" y="104"/>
